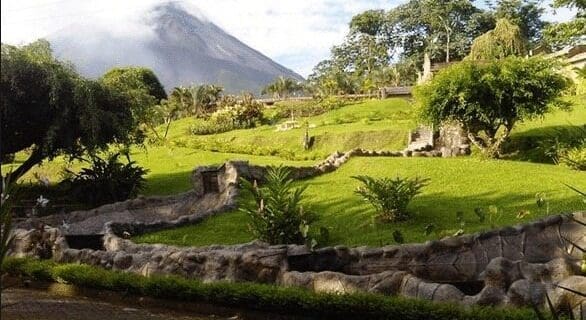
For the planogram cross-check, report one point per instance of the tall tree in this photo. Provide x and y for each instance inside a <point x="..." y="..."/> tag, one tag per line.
<point x="559" y="35"/>
<point x="443" y="28"/>
<point x="144" y="91"/>
<point x="282" y="87"/>
<point x="527" y="14"/>
<point x="504" y="40"/>
<point x="49" y="109"/>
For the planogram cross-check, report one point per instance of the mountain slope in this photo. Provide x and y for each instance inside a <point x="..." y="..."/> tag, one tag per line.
<point x="181" y="48"/>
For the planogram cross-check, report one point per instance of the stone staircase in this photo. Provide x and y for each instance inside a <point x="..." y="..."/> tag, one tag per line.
<point x="421" y="139"/>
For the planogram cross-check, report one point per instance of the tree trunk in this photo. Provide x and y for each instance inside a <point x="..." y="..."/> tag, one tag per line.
<point x="35" y="158"/>
<point x="448" y="48"/>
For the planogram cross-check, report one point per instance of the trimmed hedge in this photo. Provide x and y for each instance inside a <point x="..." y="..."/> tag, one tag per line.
<point x="262" y="297"/>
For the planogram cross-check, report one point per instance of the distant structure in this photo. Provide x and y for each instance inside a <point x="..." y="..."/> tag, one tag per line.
<point x="450" y="139"/>
<point x="575" y="57"/>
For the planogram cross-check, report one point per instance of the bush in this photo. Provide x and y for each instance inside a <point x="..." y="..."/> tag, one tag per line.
<point x="568" y="147"/>
<point x="106" y="181"/>
<point x="287" y="109"/>
<point x="277" y="216"/>
<point x="489" y="98"/>
<point x="232" y="114"/>
<point x="390" y="196"/>
<point x="574" y="158"/>
<point x="295" y="301"/>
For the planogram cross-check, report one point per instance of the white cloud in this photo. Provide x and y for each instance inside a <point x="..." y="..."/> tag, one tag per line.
<point x="296" y="33"/>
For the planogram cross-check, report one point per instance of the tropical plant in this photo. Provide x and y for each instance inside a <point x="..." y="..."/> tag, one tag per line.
<point x="106" y="181"/>
<point x="233" y="113"/>
<point x="282" y="87"/>
<point x="195" y="100"/>
<point x="276" y="214"/>
<point x="491" y="97"/>
<point x="390" y="196"/>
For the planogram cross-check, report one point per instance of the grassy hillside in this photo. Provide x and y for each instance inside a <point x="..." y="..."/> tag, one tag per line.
<point x="373" y="124"/>
<point x="457" y="184"/>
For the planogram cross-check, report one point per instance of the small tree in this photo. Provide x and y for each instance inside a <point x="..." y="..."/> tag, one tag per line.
<point x="488" y="98"/>
<point x="390" y="196"/>
<point x="277" y="216"/>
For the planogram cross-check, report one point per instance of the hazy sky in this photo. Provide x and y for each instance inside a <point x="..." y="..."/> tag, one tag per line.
<point x="295" y="33"/>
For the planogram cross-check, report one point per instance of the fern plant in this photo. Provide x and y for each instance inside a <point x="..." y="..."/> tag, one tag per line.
<point x="276" y="215"/>
<point x="390" y="196"/>
<point x="107" y="180"/>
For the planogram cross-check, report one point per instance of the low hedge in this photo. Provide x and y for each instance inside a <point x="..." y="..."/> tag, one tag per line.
<point x="270" y="298"/>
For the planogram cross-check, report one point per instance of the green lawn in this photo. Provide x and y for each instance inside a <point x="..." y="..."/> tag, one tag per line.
<point x="529" y="140"/>
<point x="373" y="124"/>
<point x="457" y="184"/>
<point x="461" y="184"/>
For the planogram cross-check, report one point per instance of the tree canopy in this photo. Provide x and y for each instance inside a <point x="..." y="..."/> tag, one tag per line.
<point x="48" y="109"/>
<point x="282" y="87"/>
<point x="559" y="35"/>
<point x="144" y="91"/>
<point x="526" y="14"/>
<point x="488" y="98"/>
<point x="504" y="40"/>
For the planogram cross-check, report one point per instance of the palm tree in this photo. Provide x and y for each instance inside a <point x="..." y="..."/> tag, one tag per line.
<point x="282" y="87"/>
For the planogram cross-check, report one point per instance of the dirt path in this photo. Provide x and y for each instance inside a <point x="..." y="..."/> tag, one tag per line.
<point x="30" y="304"/>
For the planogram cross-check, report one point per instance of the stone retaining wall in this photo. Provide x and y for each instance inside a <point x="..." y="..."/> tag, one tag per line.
<point x="509" y="266"/>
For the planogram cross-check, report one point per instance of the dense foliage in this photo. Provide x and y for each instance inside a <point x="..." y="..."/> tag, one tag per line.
<point x="504" y="40"/>
<point x="277" y="215"/>
<point x="489" y="98"/>
<point x="561" y="34"/>
<point x="232" y="113"/>
<point x="48" y="109"/>
<point x="390" y="196"/>
<point x="144" y="91"/>
<point x="196" y="100"/>
<point x="106" y="181"/>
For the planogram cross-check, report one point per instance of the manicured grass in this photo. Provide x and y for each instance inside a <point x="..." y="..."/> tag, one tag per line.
<point x="530" y="140"/>
<point x="252" y="296"/>
<point x="457" y="184"/>
<point x="373" y="124"/>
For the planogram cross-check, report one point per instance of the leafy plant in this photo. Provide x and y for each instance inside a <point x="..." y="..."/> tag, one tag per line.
<point x="107" y="180"/>
<point x="390" y="196"/>
<point x="489" y="98"/>
<point x="276" y="215"/>
<point x="233" y="113"/>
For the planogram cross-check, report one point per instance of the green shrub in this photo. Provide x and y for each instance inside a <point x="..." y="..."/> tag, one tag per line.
<point x="489" y="98"/>
<point x="574" y="158"/>
<point x="106" y="181"/>
<point x="277" y="215"/>
<point x="390" y="196"/>
<point x="232" y="114"/>
<point x="288" y="109"/>
<point x="270" y="298"/>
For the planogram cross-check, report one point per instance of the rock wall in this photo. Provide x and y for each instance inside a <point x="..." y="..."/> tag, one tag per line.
<point x="452" y="140"/>
<point x="510" y="266"/>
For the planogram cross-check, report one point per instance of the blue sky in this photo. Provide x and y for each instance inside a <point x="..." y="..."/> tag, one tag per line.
<point x="295" y="33"/>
